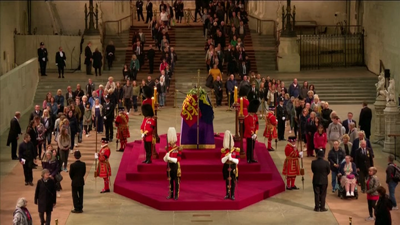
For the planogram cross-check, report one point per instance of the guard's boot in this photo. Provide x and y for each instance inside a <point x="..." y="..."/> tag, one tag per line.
<point x="227" y="189"/>
<point x="177" y="183"/>
<point x="233" y="187"/>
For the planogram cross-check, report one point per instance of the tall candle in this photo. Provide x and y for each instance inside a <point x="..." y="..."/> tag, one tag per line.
<point x="235" y="95"/>
<point x="152" y="103"/>
<point x="241" y="106"/>
<point x="155" y="95"/>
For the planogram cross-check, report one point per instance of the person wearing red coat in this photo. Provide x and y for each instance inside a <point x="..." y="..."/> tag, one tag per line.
<point x="230" y="157"/>
<point x="251" y="129"/>
<point x="291" y="166"/>
<point x="104" y="169"/>
<point x="320" y="139"/>
<point x="270" y="128"/>
<point x="173" y="159"/>
<point x="147" y="129"/>
<point x="121" y="122"/>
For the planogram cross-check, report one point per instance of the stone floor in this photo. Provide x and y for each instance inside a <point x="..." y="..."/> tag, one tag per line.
<point x="290" y="207"/>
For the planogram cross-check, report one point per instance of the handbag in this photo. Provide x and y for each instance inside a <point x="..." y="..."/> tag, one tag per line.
<point x="58" y="177"/>
<point x="350" y="176"/>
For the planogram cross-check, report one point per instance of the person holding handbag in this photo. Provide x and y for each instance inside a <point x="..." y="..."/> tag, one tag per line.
<point x="64" y="143"/>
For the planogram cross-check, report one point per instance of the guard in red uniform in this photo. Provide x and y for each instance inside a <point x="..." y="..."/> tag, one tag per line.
<point x="270" y="128"/>
<point x="291" y="166"/>
<point x="147" y="129"/>
<point x="230" y="158"/>
<point x="104" y="169"/>
<point x="251" y="129"/>
<point x="173" y="159"/>
<point x="148" y="94"/>
<point x="121" y="122"/>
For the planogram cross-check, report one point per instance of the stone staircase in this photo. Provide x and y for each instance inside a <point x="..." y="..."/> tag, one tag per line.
<point x="51" y="84"/>
<point x="123" y="55"/>
<point x="264" y="52"/>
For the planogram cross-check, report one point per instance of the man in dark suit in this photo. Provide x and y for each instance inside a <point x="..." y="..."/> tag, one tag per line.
<point x="149" y="10"/>
<point x="357" y="144"/>
<point x="363" y="160"/>
<point x="365" y="120"/>
<point x="77" y="173"/>
<point x="60" y="62"/>
<point x="42" y="57"/>
<point x="108" y="113"/>
<point x="150" y="56"/>
<point x="346" y="123"/>
<point x="243" y="70"/>
<point x="139" y="8"/>
<point x="218" y="91"/>
<point x="88" y="58"/>
<point x="37" y="112"/>
<point x="280" y="115"/>
<point x="321" y="170"/>
<point x="253" y="94"/>
<point x="13" y="135"/>
<point x="90" y="87"/>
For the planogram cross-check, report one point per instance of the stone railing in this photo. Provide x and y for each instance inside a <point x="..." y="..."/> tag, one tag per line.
<point x="18" y="88"/>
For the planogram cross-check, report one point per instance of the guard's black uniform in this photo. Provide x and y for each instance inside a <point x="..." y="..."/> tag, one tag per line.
<point x="42" y="57"/>
<point x="108" y="112"/>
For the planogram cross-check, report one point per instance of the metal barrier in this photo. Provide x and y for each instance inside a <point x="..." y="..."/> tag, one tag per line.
<point x="331" y="50"/>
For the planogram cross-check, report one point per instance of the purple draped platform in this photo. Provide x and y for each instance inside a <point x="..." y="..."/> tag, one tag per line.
<point x="189" y="135"/>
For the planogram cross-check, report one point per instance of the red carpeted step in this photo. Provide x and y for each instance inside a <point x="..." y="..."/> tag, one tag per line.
<point x="198" y="195"/>
<point x="217" y="175"/>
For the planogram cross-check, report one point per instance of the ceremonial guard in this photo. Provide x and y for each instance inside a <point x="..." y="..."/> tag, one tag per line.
<point x="104" y="169"/>
<point x="42" y="58"/>
<point x="291" y="166"/>
<point x="148" y="94"/>
<point x="251" y="129"/>
<point x="270" y="128"/>
<point x="121" y="122"/>
<point x="147" y="129"/>
<point x="230" y="158"/>
<point x="173" y="158"/>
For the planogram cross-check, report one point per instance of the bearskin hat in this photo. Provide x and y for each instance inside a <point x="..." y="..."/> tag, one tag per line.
<point x="253" y="106"/>
<point x="148" y="92"/>
<point x="244" y="91"/>
<point x="147" y="110"/>
<point x="228" y="142"/>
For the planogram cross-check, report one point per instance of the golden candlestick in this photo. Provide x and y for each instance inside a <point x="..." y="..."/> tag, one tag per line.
<point x="241" y="107"/>
<point x="155" y="95"/>
<point x="235" y="96"/>
<point x="152" y="103"/>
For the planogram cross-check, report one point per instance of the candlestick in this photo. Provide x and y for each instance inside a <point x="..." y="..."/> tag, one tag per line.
<point x="241" y="106"/>
<point x="235" y="95"/>
<point x="152" y="103"/>
<point x="155" y="95"/>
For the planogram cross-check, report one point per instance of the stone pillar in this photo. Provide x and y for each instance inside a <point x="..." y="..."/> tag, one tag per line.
<point x="392" y="114"/>
<point x="288" y="55"/>
<point x="96" y="43"/>
<point x="380" y="104"/>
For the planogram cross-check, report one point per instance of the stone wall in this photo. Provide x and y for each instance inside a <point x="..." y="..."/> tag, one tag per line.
<point x="323" y="12"/>
<point x="27" y="45"/>
<point x="381" y="24"/>
<point x="18" y="84"/>
<point x="71" y="16"/>
<point x="13" y="16"/>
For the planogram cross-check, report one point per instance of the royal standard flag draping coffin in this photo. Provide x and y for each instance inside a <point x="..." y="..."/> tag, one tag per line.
<point x="189" y="114"/>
